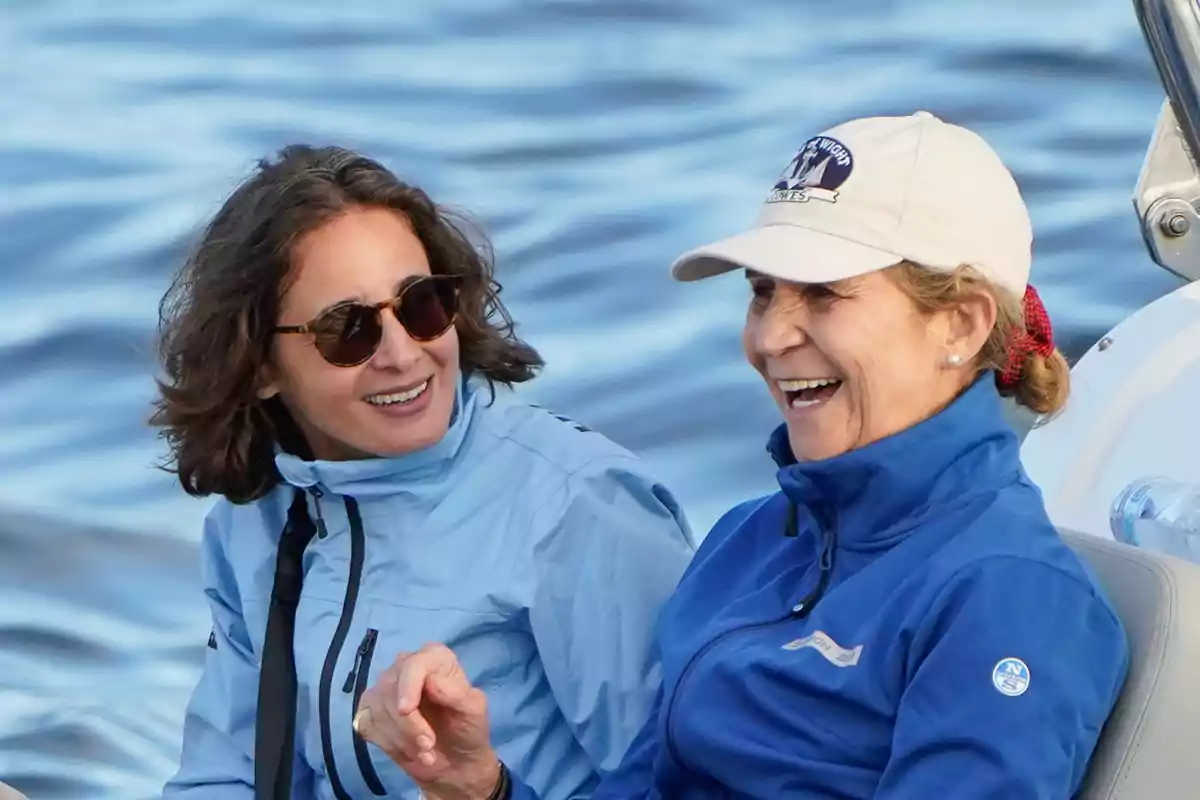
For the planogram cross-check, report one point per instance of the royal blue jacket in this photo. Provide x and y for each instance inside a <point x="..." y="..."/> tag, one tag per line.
<point x="920" y="632"/>
<point x="538" y="551"/>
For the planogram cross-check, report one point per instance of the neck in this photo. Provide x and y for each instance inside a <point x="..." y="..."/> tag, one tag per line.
<point x="893" y="481"/>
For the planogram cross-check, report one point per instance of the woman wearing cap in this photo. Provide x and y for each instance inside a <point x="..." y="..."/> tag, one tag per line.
<point x="332" y="353"/>
<point x="900" y="621"/>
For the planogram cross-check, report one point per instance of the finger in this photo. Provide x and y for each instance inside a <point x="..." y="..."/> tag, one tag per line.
<point x="361" y="723"/>
<point x="415" y="671"/>
<point x="374" y="715"/>
<point x="392" y="734"/>
<point x="440" y="666"/>
<point x="414" y="726"/>
<point x="362" y="711"/>
<point x="410" y="683"/>
<point x="410" y="734"/>
<point x="367" y="715"/>
<point x="452" y="691"/>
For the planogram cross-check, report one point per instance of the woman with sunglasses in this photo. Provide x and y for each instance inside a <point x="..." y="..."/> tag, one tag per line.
<point x="335" y="353"/>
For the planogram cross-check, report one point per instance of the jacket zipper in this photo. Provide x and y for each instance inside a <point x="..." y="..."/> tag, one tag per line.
<point x="672" y="748"/>
<point x="356" y="681"/>
<point x="317" y="494"/>
<point x="799" y="611"/>
<point x="357" y="548"/>
<point x="362" y="664"/>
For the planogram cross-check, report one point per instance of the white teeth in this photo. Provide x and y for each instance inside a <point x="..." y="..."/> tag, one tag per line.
<point x="801" y="384"/>
<point x="399" y="397"/>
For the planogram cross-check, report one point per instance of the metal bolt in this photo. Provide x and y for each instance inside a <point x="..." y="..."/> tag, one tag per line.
<point x="1105" y="343"/>
<point x="1175" y="225"/>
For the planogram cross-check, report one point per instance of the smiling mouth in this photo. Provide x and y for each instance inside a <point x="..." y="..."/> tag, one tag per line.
<point x="398" y="398"/>
<point x="805" y="392"/>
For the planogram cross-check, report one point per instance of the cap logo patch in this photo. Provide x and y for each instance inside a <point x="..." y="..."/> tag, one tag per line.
<point x="820" y="167"/>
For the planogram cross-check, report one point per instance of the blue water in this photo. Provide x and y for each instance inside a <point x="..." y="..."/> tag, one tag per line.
<point x="594" y="140"/>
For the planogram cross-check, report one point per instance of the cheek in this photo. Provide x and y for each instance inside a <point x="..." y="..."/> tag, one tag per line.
<point x="749" y="350"/>
<point x="864" y="350"/>
<point x="893" y="364"/>
<point x="445" y="351"/>
<point x="915" y="357"/>
<point x="848" y="341"/>
<point x="309" y="383"/>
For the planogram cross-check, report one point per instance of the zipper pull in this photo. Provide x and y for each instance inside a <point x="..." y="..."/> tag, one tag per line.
<point x="824" y="568"/>
<point x="827" y="552"/>
<point x="322" y="531"/>
<point x="363" y="648"/>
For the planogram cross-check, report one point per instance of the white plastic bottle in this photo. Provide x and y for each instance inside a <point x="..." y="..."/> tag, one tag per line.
<point x="1159" y="514"/>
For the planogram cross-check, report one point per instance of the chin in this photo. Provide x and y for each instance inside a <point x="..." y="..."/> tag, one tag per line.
<point x="399" y="439"/>
<point x="413" y="444"/>
<point x="810" y="448"/>
<point x="398" y="435"/>
<point x="426" y="434"/>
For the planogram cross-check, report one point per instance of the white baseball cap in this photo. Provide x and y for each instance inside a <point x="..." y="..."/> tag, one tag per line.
<point x="873" y="192"/>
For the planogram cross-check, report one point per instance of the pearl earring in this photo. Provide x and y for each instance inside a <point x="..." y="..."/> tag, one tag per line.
<point x="954" y="359"/>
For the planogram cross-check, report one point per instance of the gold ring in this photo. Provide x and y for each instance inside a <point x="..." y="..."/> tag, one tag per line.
<point x="358" y="718"/>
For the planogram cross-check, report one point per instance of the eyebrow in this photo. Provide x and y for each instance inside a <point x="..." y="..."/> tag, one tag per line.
<point x="332" y="306"/>
<point x="752" y="275"/>
<point x="395" y="291"/>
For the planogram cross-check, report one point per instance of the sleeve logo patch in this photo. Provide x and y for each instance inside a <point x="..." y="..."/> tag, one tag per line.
<point x="1010" y="676"/>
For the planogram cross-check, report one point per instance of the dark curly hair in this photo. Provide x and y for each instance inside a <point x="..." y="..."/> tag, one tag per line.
<point x="216" y="321"/>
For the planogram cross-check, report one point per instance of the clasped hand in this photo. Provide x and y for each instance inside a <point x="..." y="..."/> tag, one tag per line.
<point x="426" y="716"/>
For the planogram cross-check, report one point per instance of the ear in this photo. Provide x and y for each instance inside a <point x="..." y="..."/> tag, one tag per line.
<point x="970" y="323"/>
<point x="268" y="385"/>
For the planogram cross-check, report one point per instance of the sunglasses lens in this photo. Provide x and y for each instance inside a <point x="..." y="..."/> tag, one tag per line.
<point x="427" y="309"/>
<point x="349" y="335"/>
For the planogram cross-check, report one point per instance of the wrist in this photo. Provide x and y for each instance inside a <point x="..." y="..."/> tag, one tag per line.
<point x="488" y="781"/>
<point x="502" y="788"/>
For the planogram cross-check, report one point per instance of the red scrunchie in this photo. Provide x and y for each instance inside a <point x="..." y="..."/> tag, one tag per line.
<point x="1036" y="338"/>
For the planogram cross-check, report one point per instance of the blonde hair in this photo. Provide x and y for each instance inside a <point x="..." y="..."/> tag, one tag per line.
<point x="1043" y="382"/>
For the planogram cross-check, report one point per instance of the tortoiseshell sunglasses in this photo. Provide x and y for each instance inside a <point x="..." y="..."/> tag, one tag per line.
<point x="349" y="333"/>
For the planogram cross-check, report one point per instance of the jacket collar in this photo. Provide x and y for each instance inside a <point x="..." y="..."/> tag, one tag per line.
<point x="877" y="493"/>
<point x="377" y="476"/>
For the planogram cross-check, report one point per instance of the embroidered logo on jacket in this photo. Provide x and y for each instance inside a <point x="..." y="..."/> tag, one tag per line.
<point x="1010" y="676"/>
<point x="824" y="644"/>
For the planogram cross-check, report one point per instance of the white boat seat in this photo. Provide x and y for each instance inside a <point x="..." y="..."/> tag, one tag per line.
<point x="1146" y="749"/>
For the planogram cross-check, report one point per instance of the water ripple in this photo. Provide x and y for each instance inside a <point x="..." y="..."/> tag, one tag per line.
<point x="593" y="140"/>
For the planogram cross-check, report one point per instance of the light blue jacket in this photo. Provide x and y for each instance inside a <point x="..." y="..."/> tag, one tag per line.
<point x="540" y="552"/>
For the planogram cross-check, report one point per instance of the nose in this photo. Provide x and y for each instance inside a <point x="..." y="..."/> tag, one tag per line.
<point x="397" y="350"/>
<point x="780" y="327"/>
